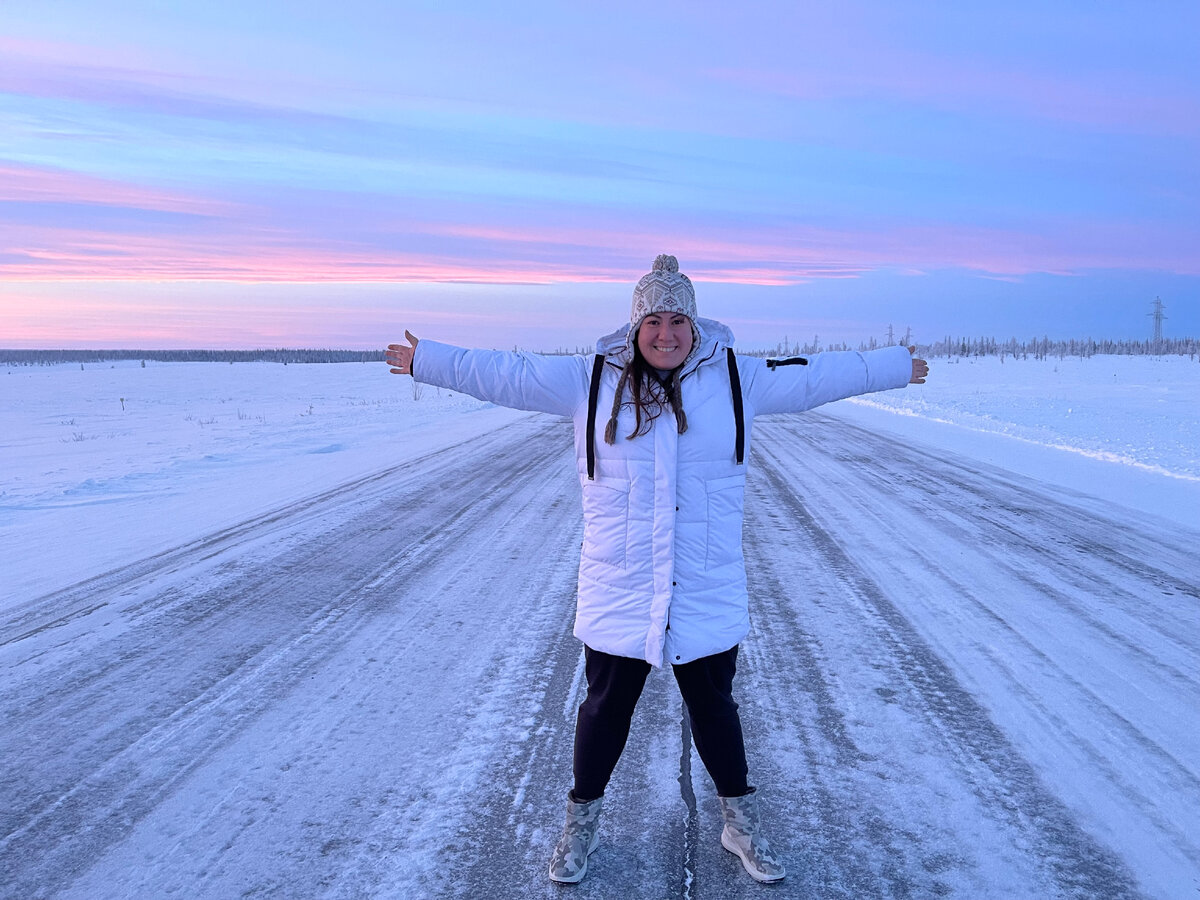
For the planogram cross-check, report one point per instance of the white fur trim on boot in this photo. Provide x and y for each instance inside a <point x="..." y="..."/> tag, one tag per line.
<point x="742" y="836"/>
<point x="580" y="837"/>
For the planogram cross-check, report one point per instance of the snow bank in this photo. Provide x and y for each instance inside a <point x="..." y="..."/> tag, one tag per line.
<point x="1122" y="428"/>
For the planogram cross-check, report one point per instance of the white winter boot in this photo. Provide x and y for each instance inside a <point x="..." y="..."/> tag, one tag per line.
<point x="579" y="838"/>
<point x="741" y="836"/>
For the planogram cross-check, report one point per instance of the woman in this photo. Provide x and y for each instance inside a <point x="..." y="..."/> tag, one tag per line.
<point x="661" y="575"/>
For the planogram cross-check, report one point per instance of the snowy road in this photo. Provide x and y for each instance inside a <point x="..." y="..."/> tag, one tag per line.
<point x="960" y="683"/>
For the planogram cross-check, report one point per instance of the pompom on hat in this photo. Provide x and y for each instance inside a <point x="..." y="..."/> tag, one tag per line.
<point x="664" y="290"/>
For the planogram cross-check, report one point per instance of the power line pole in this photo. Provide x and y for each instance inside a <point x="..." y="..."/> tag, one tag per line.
<point x="1158" y="320"/>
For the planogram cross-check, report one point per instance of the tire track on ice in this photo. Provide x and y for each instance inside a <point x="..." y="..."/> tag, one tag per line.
<point x="55" y="610"/>
<point x="1087" y="617"/>
<point x="842" y="597"/>
<point x="1011" y="521"/>
<point x="157" y="665"/>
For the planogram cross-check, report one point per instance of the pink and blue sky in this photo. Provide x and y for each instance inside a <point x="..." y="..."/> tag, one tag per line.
<point x="244" y="174"/>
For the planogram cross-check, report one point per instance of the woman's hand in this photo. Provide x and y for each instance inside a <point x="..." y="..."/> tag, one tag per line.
<point x="920" y="367"/>
<point x="400" y="356"/>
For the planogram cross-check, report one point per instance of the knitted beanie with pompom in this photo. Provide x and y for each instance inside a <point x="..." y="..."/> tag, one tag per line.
<point x="663" y="290"/>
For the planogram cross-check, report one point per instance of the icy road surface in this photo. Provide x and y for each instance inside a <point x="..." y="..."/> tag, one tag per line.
<point x="961" y="682"/>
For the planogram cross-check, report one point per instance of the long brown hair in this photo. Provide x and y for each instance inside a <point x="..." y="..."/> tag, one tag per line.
<point x="649" y="395"/>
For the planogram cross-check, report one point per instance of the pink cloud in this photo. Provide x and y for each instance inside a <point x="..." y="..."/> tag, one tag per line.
<point x="531" y="255"/>
<point x="794" y="255"/>
<point x="64" y="254"/>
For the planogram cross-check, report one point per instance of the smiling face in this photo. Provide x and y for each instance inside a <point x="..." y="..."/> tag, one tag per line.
<point x="665" y="339"/>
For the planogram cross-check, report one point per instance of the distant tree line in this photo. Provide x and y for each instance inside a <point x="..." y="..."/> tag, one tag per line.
<point x="1044" y="348"/>
<point x="1037" y="348"/>
<point x="54" y="357"/>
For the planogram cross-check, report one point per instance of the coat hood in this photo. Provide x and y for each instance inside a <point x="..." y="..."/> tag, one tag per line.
<point x="714" y="337"/>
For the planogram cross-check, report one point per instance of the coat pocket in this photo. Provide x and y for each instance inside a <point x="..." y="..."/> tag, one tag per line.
<point x="726" y="497"/>
<point x="605" y="520"/>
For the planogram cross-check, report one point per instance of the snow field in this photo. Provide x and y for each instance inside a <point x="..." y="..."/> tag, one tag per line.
<point x="972" y="671"/>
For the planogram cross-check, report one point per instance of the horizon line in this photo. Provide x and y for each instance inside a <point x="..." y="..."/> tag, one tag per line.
<point x="972" y="342"/>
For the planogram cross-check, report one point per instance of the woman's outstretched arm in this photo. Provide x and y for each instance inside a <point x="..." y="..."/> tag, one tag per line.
<point x="553" y="384"/>
<point x="800" y="383"/>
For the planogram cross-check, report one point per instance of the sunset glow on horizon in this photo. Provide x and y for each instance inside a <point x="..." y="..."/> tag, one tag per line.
<point x="213" y="176"/>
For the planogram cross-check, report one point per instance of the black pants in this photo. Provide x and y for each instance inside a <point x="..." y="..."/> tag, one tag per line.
<point x="614" y="685"/>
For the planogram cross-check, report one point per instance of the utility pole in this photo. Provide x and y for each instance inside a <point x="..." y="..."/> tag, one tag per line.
<point x="1158" y="320"/>
<point x="891" y="336"/>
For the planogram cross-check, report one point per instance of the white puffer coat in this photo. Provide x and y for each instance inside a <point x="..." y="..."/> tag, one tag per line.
<point x="661" y="574"/>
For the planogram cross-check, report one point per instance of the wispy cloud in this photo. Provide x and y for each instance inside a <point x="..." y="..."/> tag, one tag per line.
<point x="39" y="184"/>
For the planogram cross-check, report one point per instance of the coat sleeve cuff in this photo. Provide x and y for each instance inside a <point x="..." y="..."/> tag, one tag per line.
<point x="888" y="368"/>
